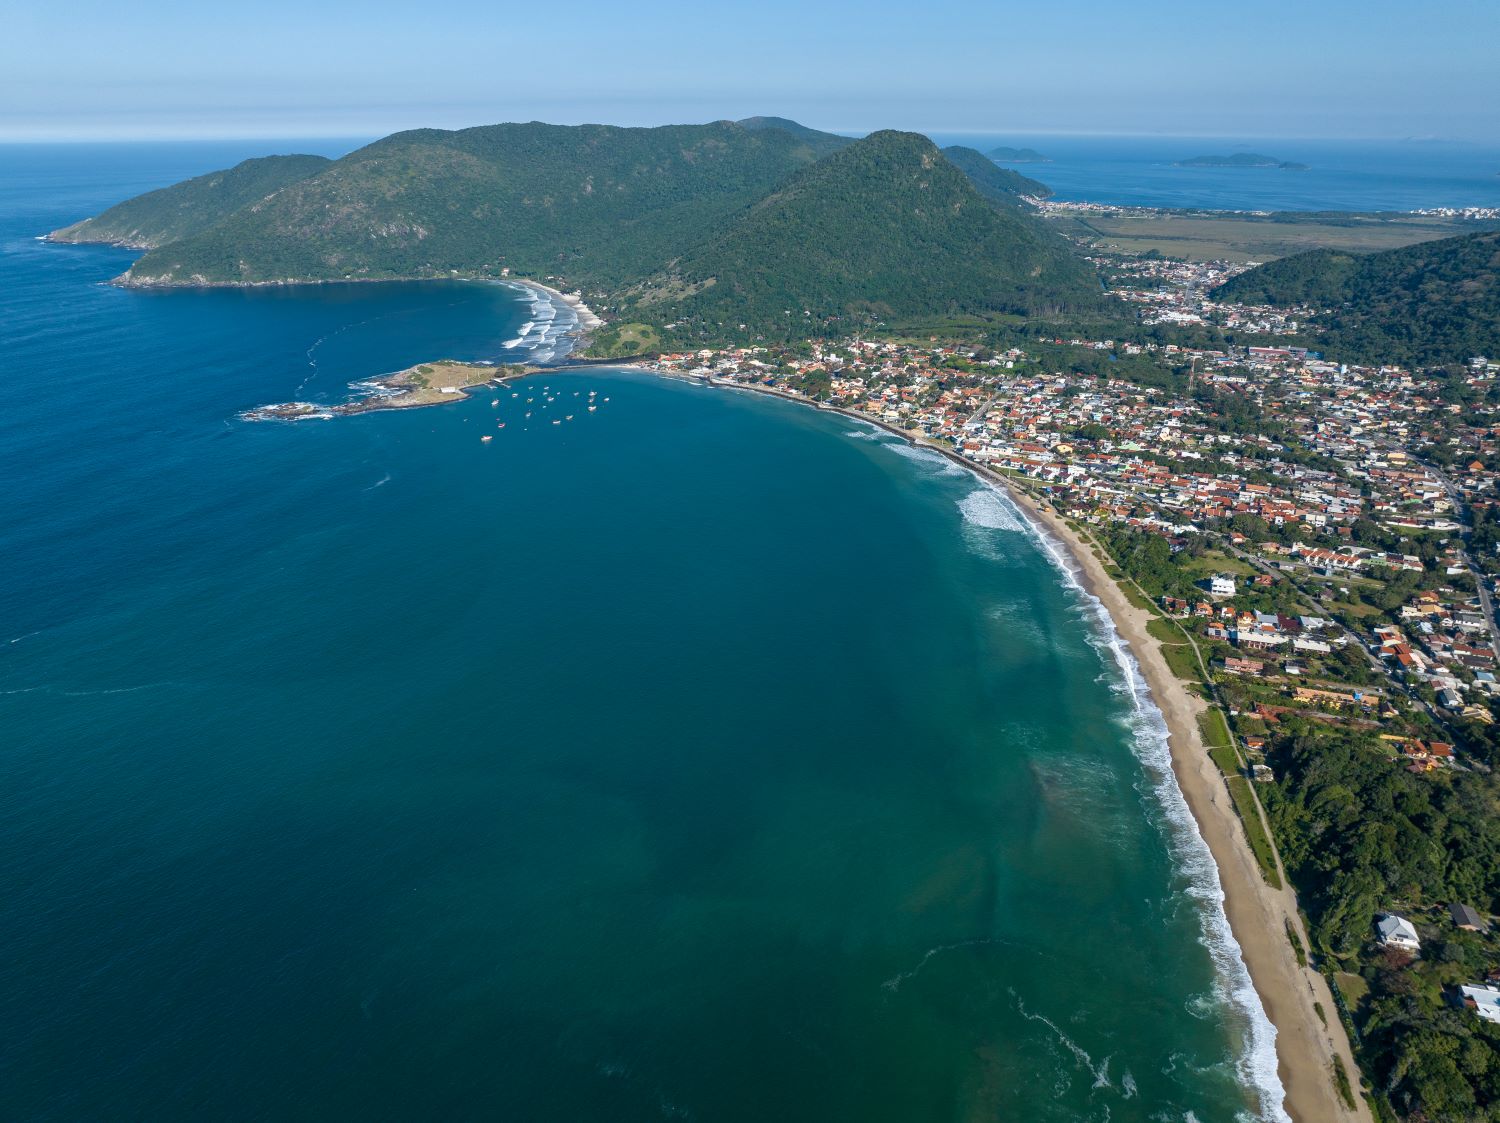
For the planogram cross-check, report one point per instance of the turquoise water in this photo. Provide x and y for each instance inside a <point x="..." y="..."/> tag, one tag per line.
<point x="703" y="757"/>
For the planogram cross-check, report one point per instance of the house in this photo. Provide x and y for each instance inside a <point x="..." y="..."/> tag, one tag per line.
<point x="1398" y="932"/>
<point x="1221" y="585"/>
<point x="1466" y="918"/>
<point x="1484" y="1001"/>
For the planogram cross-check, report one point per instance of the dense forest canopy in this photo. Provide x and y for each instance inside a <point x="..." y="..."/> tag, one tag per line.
<point x="1433" y="302"/>
<point x="739" y="222"/>
<point x="886" y="227"/>
<point x="193" y="206"/>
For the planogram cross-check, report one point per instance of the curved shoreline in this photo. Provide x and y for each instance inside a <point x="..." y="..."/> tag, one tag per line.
<point x="1254" y="914"/>
<point x="1291" y="1050"/>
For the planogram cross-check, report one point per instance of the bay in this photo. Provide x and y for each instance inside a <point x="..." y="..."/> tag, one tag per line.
<point x="699" y="757"/>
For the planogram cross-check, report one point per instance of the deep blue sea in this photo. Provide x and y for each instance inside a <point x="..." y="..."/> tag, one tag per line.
<point x="702" y="757"/>
<point x="1354" y="175"/>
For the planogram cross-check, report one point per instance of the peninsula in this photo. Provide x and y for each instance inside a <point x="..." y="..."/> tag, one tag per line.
<point x="425" y="384"/>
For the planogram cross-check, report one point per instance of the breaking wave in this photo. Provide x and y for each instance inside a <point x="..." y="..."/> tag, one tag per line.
<point x="985" y="507"/>
<point x="550" y="331"/>
<point x="1256" y="1066"/>
<point x="925" y="456"/>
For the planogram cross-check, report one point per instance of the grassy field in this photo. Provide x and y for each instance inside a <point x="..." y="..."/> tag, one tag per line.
<point x="1213" y="562"/>
<point x="1182" y="661"/>
<point x="1164" y="630"/>
<point x="1215" y="728"/>
<point x="1224" y="756"/>
<point x="624" y="340"/>
<point x="1354" y="988"/>
<point x="1229" y="237"/>
<point x="1260" y="845"/>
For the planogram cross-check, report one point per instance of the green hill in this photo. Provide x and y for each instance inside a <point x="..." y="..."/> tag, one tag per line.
<point x="998" y="185"/>
<point x="195" y="205"/>
<point x="883" y="228"/>
<point x="1433" y="302"/>
<point x="593" y="203"/>
<point x="728" y="221"/>
<point x="786" y="124"/>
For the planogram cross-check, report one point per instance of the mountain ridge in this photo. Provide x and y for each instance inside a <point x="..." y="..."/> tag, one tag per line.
<point x="885" y="227"/>
<point x="180" y="210"/>
<point x="649" y="216"/>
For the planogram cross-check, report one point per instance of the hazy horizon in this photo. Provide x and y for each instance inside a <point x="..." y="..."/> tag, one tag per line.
<point x="992" y="135"/>
<point x="168" y="70"/>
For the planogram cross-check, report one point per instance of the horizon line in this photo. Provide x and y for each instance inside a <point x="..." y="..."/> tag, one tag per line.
<point x="843" y="130"/>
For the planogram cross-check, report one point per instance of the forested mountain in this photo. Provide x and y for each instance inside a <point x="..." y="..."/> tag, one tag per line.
<point x="997" y="184"/>
<point x="1433" y="302"/>
<point x="593" y="203"/>
<point x="885" y="227"/>
<point x="195" y="205"/>
<point x="786" y="124"/>
<point x="732" y="220"/>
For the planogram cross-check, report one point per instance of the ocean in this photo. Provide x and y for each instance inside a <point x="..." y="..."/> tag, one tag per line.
<point x="698" y="757"/>
<point x="1351" y="175"/>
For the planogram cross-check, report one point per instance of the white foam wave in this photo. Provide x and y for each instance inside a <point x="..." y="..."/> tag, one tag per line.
<point x="1257" y="1064"/>
<point x="1100" y="1072"/>
<point x="985" y="507"/>
<point x="550" y="329"/>
<point x="893" y="984"/>
<point x="926" y="456"/>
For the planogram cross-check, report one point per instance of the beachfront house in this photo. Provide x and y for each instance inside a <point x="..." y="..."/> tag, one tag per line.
<point x="1398" y="932"/>
<point x="1484" y="1001"/>
<point x="1466" y="918"/>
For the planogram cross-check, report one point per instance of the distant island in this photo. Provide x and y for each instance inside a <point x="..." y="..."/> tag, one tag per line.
<point x="1018" y="156"/>
<point x="1241" y="160"/>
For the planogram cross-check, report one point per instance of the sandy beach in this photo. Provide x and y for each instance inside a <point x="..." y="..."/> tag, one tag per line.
<point x="1258" y="915"/>
<point x="587" y="320"/>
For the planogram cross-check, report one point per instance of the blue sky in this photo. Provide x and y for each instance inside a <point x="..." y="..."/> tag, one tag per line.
<point x="1321" y="68"/>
